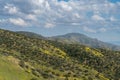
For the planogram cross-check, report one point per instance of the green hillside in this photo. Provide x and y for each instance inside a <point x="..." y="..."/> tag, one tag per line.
<point x="10" y="70"/>
<point x="104" y="61"/>
<point x="26" y="58"/>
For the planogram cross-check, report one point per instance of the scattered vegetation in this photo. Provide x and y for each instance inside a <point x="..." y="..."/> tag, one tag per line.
<point x="28" y="58"/>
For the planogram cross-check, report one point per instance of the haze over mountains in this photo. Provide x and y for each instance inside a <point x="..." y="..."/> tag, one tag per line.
<point x="75" y="38"/>
<point x="115" y="42"/>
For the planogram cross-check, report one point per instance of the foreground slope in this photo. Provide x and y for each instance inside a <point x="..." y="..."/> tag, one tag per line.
<point x="40" y="59"/>
<point x="10" y="70"/>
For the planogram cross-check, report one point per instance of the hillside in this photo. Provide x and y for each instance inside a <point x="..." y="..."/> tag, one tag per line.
<point x="10" y="69"/>
<point x="77" y="38"/>
<point x="90" y="56"/>
<point x="31" y="34"/>
<point x="102" y="60"/>
<point x="40" y="59"/>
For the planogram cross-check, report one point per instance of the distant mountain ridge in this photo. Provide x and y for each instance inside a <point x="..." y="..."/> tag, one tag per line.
<point x="75" y="38"/>
<point x="78" y="38"/>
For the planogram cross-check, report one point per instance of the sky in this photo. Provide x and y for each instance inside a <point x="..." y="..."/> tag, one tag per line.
<point x="95" y="18"/>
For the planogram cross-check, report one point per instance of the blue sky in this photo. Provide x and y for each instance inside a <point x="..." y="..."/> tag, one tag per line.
<point x="114" y="1"/>
<point x="96" y="18"/>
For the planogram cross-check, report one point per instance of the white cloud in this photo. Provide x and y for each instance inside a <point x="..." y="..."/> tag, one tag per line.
<point x="49" y="25"/>
<point x="18" y="21"/>
<point x="11" y="9"/>
<point x="97" y="17"/>
<point x="75" y="24"/>
<point x="65" y="6"/>
<point x="38" y="2"/>
<point x="113" y="19"/>
<point x="31" y="17"/>
<point x="91" y="30"/>
<point x="77" y="15"/>
<point x="73" y="12"/>
<point x="86" y="29"/>
<point x="102" y="30"/>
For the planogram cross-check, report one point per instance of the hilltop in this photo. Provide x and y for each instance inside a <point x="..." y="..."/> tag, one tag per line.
<point x="77" y="38"/>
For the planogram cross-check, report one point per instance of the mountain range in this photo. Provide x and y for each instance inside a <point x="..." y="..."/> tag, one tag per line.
<point x="75" y="38"/>
<point x="24" y="57"/>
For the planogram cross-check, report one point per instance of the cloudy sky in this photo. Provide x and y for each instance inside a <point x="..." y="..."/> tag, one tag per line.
<point x="95" y="18"/>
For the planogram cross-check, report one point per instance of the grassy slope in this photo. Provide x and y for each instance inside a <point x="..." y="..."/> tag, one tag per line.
<point x="39" y="54"/>
<point x="9" y="70"/>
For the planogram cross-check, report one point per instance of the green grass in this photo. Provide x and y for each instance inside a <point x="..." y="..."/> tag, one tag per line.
<point x="11" y="71"/>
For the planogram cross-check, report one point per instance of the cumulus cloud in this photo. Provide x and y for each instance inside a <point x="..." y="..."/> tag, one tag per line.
<point x="11" y="9"/>
<point x="89" y="30"/>
<point x="97" y="17"/>
<point x="65" y="6"/>
<point x="31" y="17"/>
<point x="112" y="19"/>
<point x="51" y="13"/>
<point x="49" y="25"/>
<point x="18" y="22"/>
<point x="102" y="30"/>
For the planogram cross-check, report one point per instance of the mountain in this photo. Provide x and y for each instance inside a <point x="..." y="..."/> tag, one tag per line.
<point x="27" y="58"/>
<point x="77" y="38"/>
